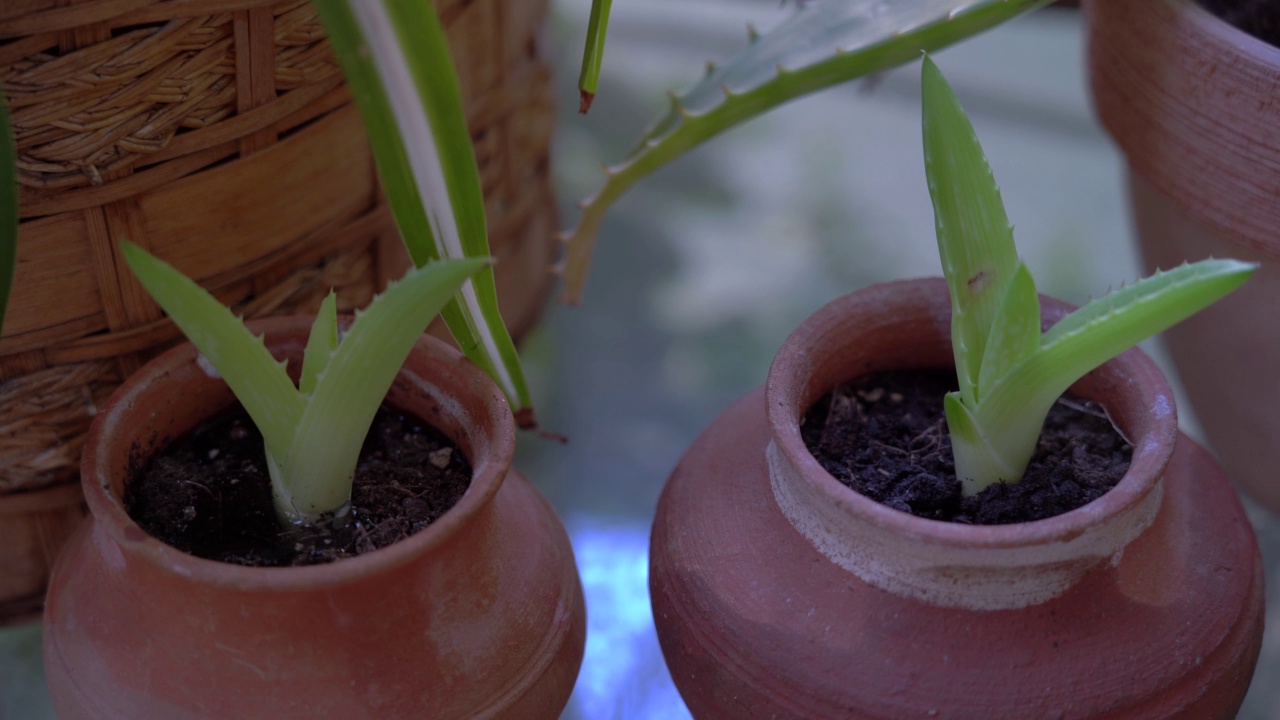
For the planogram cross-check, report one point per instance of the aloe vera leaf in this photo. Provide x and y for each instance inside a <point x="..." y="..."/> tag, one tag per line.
<point x="977" y="462"/>
<point x="8" y="206"/>
<point x="258" y="380"/>
<point x="1014" y="408"/>
<point x="593" y="53"/>
<point x="822" y="44"/>
<point x="1015" y="331"/>
<point x="975" y="239"/>
<point x="396" y="59"/>
<point x="321" y="343"/>
<point x="1110" y="325"/>
<point x="318" y="468"/>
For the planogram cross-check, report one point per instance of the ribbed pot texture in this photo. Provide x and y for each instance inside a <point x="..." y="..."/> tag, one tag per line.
<point x="780" y="593"/>
<point x="1193" y="102"/>
<point x="480" y="615"/>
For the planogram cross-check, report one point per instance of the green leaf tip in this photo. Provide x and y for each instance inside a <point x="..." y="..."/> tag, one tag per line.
<point x="975" y="240"/>
<point x="593" y="53"/>
<point x="321" y="343"/>
<point x="1010" y="374"/>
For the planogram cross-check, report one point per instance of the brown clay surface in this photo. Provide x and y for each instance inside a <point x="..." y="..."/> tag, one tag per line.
<point x="885" y="436"/>
<point x="756" y="623"/>
<point x="209" y="493"/>
<point x="479" y="615"/>
<point x="1259" y="18"/>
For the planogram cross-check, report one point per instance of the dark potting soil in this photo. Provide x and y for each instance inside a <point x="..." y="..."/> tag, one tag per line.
<point x="885" y="436"/>
<point x="209" y="493"/>
<point x="1259" y="18"/>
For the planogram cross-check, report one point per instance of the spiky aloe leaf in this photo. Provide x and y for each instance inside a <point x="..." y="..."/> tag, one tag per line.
<point x="975" y="240"/>
<point x="396" y="60"/>
<point x="824" y="43"/>
<point x="321" y="343"/>
<point x="312" y="439"/>
<point x="317" y="471"/>
<point x="1016" y="405"/>
<point x="240" y="357"/>
<point x="8" y="206"/>
<point x="593" y="53"/>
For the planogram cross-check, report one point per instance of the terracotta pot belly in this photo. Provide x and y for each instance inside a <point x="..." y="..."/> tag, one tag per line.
<point x="780" y="593"/>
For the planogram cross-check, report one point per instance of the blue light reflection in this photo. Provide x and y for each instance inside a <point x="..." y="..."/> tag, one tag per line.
<point x="623" y="675"/>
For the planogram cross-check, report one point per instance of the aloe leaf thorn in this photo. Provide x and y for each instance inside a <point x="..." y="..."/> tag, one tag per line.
<point x="821" y="44"/>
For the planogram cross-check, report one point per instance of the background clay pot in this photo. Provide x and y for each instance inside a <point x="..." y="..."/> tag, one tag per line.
<point x="1193" y="102"/>
<point x="780" y="593"/>
<point x="481" y="615"/>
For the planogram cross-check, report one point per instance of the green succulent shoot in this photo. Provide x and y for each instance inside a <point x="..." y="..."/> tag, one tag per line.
<point x="395" y="58"/>
<point x="1010" y="374"/>
<point x="312" y="432"/>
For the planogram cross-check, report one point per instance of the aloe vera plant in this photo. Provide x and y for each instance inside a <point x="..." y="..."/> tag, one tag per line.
<point x="396" y="60"/>
<point x="1009" y="373"/>
<point x="824" y="43"/>
<point x="312" y="433"/>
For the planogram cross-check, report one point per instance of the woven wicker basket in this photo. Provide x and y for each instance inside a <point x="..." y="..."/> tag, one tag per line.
<point x="219" y="134"/>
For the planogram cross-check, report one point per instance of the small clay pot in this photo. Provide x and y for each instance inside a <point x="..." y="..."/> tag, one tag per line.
<point x="780" y="593"/>
<point x="480" y="615"/>
<point x="1193" y="102"/>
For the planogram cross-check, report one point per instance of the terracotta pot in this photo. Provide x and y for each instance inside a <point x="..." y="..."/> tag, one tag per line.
<point x="481" y="615"/>
<point x="1193" y="102"/>
<point x="780" y="593"/>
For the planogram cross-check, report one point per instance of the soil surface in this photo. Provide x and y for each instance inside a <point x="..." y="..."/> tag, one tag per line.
<point x="209" y="494"/>
<point x="1259" y="18"/>
<point x="885" y="436"/>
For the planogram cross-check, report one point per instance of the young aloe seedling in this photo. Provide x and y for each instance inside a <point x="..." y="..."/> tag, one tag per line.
<point x="313" y="432"/>
<point x="1009" y="373"/>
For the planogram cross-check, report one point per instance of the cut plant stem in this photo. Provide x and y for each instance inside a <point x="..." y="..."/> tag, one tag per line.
<point x="593" y="53"/>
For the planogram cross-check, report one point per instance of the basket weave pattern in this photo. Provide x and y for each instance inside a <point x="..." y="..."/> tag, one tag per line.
<point x="218" y="134"/>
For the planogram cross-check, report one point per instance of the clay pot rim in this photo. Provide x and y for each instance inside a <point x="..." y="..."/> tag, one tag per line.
<point x="1189" y="99"/>
<point x="488" y="474"/>
<point x="785" y="386"/>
